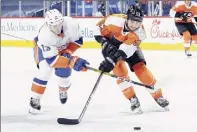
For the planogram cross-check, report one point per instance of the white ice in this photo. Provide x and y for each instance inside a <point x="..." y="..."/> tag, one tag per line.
<point x="108" y="109"/>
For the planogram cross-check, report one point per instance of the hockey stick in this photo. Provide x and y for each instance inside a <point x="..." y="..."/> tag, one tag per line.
<point x="121" y="78"/>
<point x="15" y="36"/>
<point x="67" y="121"/>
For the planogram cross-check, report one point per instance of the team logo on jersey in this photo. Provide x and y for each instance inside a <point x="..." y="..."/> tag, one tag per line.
<point x="188" y="14"/>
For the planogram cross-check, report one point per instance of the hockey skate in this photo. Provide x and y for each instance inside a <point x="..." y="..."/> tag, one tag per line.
<point x="63" y="95"/>
<point x="161" y="101"/>
<point x="34" y="106"/>
<point x="135" y="106"/>
<point x="188" y="53"/>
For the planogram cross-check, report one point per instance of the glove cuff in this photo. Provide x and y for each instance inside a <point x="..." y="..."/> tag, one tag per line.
<point x="110" y="60"/>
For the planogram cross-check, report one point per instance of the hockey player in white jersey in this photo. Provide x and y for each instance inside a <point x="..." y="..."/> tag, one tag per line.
<point x="56" y="41"/>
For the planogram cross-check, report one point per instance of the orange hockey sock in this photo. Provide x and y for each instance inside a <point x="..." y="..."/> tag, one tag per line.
<point x="38" y="89"/>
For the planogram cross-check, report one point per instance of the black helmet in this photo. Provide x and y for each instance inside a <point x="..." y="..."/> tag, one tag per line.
<point x="135" y="13"/>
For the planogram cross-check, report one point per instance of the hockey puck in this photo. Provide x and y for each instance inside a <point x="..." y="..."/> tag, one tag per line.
<point x="137" y="128"/>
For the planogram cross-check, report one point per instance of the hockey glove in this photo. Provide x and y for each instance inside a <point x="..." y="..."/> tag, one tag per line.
<point x="108" y="64"/>
<point x="182" y="15"/>
<point x="78" y="64"/>
<point x="184" y="18"/>
<point x="107" y="47"/>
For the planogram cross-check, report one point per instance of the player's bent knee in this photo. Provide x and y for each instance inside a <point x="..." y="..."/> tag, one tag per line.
<point x="186" y="36"/>
<point x="63" y="72"/>
<point x="120" y="69"/>
<point x="143" y="74"/>
<point x="44" y="72"/>
<point x="63" y="82"/>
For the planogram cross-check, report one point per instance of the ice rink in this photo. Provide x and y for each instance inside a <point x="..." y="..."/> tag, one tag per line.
<point x="108" y="109"/>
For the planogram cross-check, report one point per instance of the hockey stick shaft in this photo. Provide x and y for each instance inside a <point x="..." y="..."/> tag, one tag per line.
<point x="66" y="121"/>
<point x="121" y="78"/>
<point x="90" y="97"/>
<point x="14" y="36"/>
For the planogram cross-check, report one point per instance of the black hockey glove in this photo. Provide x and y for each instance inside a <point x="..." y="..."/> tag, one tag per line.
<point x="181" y="15"/>
<point x="107" y="47"/>
<point x="108" y="64"/>
<point x="184" y="17"/>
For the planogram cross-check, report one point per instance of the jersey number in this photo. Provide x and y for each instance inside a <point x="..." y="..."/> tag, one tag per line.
<point x="45" y="48"/>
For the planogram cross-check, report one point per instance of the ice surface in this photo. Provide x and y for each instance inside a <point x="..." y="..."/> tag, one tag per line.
<point x="108" y="109"/>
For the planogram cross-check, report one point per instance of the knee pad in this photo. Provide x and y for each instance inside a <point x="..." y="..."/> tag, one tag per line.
<point x="63" y="72"/>
<point x="44" y="71"/>
<point x="63" y="82"/>
<point x="143" y="74"/>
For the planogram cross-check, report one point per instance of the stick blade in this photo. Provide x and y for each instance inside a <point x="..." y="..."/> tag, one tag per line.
<point x="66" y="121"/>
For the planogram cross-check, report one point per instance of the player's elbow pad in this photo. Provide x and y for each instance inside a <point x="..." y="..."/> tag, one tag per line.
<point x="58" y="61"/>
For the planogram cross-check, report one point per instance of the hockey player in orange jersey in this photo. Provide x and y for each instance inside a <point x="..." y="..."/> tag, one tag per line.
<point x="185" y="14"/>
<point x="120" y="38"/>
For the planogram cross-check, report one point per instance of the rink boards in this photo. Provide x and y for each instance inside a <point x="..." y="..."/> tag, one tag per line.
<point x="161" y="32"/>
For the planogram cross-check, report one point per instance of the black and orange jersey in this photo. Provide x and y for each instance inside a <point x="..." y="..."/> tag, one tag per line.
<point x="181" y="8"/>
<point x="114" y="25"/>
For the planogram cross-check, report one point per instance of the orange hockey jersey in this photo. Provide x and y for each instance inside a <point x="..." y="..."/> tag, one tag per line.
<point x="180" y="7"/>
<point x="113" y="26"/>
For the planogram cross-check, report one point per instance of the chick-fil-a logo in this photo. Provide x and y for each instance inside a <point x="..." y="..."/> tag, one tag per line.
<point x="156" y="32"/>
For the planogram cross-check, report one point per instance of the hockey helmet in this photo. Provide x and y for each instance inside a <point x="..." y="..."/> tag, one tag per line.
<point x="54" y="20"/>
<point x="135" y="13"/>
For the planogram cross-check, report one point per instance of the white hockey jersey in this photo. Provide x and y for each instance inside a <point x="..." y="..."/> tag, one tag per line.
<point x="51" y="47"/>
<point x="51" y="43"/>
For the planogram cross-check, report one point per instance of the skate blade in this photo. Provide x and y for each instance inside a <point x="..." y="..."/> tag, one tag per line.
<point x="33" y="111"/>
<point x="136" y="111"/>
<point x="166" y="108"/>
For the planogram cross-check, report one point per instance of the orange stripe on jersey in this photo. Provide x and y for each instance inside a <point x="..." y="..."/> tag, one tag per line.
<point x="113" y="26"/>
<point x="110" y="30"/>
<point x="132" y="38"/>
<point x="61" y="62"/>
<point x="72" y="47"/>
<point x="38" y="89"/>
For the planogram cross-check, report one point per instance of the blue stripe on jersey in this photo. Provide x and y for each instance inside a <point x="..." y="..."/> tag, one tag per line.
<point x="79" y="41"/>
<point x="51" y="60"/>
<point x="36" y="80"/>
<point x="36" y="39"/>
